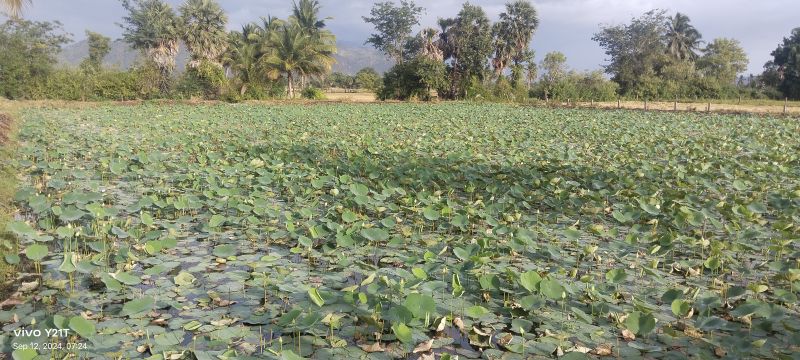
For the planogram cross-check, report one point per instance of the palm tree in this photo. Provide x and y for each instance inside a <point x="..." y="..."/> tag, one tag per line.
<point x="429" y="47"/>
<point x="153" y="28"/>
<point x="293" y="53"/>
<point x="683" y="39"/>
<point x="204" y="31"/>
<point x="306" y="14"/>
<point x="14" y="7"/>
<point x="513" y="34"/>
<point x="242" y="55"/>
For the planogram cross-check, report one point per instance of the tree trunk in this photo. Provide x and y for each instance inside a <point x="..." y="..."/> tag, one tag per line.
<point x="290" y="85"/>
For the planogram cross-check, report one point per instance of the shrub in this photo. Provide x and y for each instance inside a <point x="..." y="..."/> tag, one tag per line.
<point x="313" y="93"/>
<point x="415" y="78"/>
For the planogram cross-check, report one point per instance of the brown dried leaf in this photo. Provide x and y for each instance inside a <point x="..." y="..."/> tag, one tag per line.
<point x="371" y="348"/>
<point x="627" y="335"/>
<point x="459" y="323"/>
<point x="442" y="324"/>
<point x="603" y="350"/>
<point x="423" y="347"/>
<point x="720" y="352"/>
<point x="505" y="340"/>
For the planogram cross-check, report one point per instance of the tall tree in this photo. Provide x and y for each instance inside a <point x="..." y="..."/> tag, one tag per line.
<point x="368" y="78"/>
<point x="99" y="47"/>
<point x="636" y="52"/>
<point x="14" y="7"/>
<point x="683" y="39"/>
<point x="241" y="57"/>
<point x="293" y="53"/>
<point x="466" y="42"/>
<point x="786" y="60"/>
<point x="425" y="44"/>
<point x="306" y="14"/>
<point x="152" y="27"/>
<point x="393" y="26"/>
<point x="723" y="59"/>
<point x="554" y="70"/>
<point x="513" y="34"/>
<point x="203" y="31"/>
<point x="28" y="51"/>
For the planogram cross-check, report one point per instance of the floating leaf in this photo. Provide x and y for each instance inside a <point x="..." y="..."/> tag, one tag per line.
<point x="529" y="280"/>
<point x="402" y="332"/>
<point x="184" y="279"/>
<point x="83" y="327"/>
<point x="315" y="297"/>
<point x="36" y="252"/>
<point x="375" y="234"/>
<point x="137" y="306"/>
<point x="640" y="323"/>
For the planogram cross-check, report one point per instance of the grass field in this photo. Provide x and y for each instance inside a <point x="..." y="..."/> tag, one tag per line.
<point x="406" y="231"/>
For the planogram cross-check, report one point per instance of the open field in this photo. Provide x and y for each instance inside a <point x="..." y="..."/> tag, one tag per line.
<point x="350" y="96"/>
<point x="750" y="106"/>
<point x="405" y="230"/>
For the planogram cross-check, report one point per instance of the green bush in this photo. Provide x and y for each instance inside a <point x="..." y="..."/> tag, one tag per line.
<point x="415" y="78"/>
<point x="205" y="80"/>
<point x="312" y="93"/>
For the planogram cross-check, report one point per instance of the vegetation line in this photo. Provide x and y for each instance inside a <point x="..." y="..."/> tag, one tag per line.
<point x="7" y="187"/>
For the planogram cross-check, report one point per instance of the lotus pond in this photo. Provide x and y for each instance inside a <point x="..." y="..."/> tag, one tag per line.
<point x="404" y="231"/>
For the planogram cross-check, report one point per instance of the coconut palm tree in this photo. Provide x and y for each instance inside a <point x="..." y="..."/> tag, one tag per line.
<point x="204" y="31"/>
<point x="152" y="27"/>
<point x="292" y="54"/>
<point x="14" y="7"/>
<point x="683" y="39"/>
<point x="429" y="47"/>
<point x="306" y="14"/>
<point x="241" y="57"/>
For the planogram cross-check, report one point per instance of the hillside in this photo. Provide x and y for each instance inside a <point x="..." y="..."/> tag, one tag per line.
<point x="349" y="60"/>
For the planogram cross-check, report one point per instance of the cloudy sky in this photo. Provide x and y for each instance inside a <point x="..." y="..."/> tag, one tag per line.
<point x="565" y="25"/>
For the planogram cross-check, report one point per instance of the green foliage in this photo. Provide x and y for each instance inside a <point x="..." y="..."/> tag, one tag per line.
<point x="313" y="93"/>
<point x="786" y="58"/>
<point x="99" y="46"/>
<point x="152" y="27"/>
<point x="591" y="217"/>
<point x="723" y="59"/>
<point x="368" y="78"/>
<point x="203" y="31"/>
<point x="636" y="51"/>
<point x="291" y="53"/>
<point x="342" y="81"/>
<point x="466" y="41"/>
<point x="682" y="39"/>
<point x="28" y="52"/>
<point x="393" y="25"/>
<point x="413" y="79"/>
<point x="206" y="80"/>
<point x="513" y="34"/>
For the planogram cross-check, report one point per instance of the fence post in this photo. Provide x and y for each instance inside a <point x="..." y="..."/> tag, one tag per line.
<point x="618" y="104"/>
<point x="645" y="104"/>
<point x="675" y="104"/>
<point x="785" y="103"/>
<point x="708" y="107"/>
<point x="592" y="102"/>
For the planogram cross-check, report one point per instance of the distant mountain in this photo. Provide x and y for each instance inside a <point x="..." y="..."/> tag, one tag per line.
<point x="350" y="58"/>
